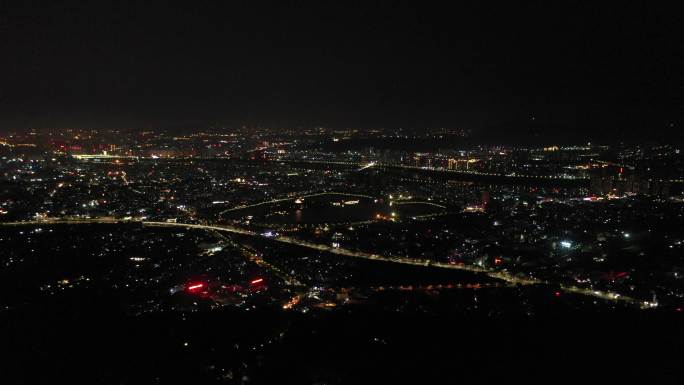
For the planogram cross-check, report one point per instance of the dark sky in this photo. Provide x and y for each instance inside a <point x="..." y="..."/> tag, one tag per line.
<point x="617" y="68"/>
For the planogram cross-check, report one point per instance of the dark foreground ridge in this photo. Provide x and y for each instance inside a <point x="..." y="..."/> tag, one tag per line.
<point x="114" y="312"/>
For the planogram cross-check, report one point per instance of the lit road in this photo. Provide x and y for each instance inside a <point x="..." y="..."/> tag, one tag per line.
<point x="280" y="227"/>
<point x="399" y="203"/>
<point x="504" y="276"/>
<point x="293" y="197"/>
<point x="369" y="165"/>
<point x="437" y="169"/>
<point x="256" y="259"/>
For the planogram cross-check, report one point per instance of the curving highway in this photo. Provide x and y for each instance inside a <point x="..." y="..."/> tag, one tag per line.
<point x="606" y="295"/>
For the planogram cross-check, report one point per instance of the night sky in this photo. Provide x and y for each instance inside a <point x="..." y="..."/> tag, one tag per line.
<point x="614" y="70"/>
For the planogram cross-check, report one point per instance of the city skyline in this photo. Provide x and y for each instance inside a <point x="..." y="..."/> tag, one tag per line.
<point x="562" y="70"/>
<point x="377" y="192"/>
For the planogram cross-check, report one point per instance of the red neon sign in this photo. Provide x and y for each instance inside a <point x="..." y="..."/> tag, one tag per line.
<point x="195" y="286"/>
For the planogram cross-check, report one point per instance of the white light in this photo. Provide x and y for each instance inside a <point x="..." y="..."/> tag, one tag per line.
<point x="566" y="244"/>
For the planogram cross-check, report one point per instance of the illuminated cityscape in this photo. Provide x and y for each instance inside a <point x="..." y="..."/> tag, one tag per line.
<point x="267" y="247"/>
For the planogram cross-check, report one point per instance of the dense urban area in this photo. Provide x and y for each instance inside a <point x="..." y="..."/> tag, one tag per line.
<point x="275" y="230"/>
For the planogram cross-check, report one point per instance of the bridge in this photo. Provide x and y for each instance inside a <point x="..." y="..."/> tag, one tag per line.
<point x="292" y="197"/>
<point x="464" y="175"/>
